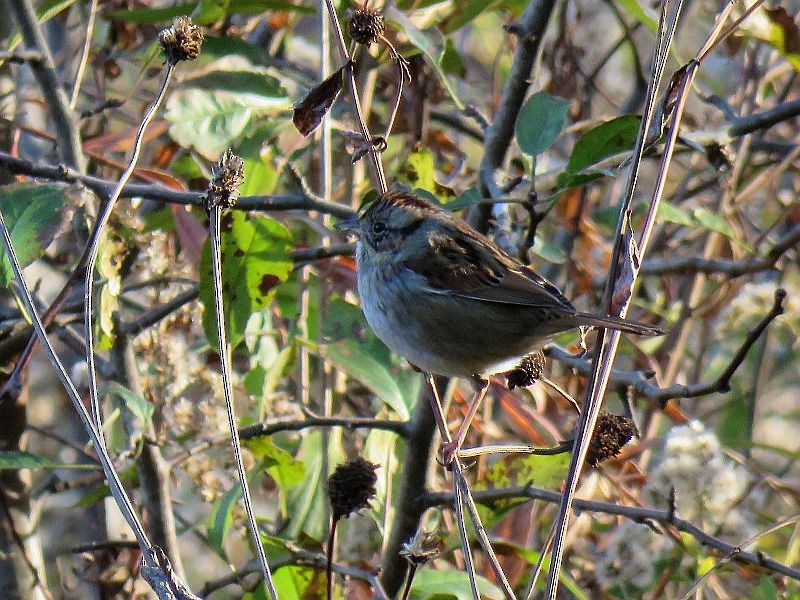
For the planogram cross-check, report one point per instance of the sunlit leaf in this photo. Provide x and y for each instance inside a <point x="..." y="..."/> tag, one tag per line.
<point x="605" y="140"/>
<point x="220" y="520"/>
<point x="33" y="214"/>
<point x="210" y="121"/>
<point x="255" y="259"/>
<point x="138" y="406"/>
<point x="441" y="584"/>
<point x="540" y="121"/>
<point x="308" y="504"/>
<point x="347" y="356"/>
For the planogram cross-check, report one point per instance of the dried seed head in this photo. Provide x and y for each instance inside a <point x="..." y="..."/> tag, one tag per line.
<point x="610" y="435"/>
<point x="366" y="26"/>
<point x="421" y="548"/>
<point x="181" y="41"/>
<point x="226" y="177"/>
<point x="526" y="372"/>
<point x="351" y="487"/>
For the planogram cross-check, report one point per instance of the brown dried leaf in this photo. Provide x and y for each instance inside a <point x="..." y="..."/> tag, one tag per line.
<point x="309" y="112"/>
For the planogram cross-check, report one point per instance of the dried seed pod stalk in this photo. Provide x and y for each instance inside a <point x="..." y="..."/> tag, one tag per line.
<point x="181" y="41"/>
<point x="226" y="177"/>
<point x="351" y="487"/>
<point x="366" y="26"/>
<point x="610" y="435"/>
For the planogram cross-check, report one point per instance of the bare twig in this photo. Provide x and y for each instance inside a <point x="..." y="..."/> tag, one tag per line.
<point x="66" y="125"/>
<point x="530" y="31"/>
<point x="635" y="513"/>
<point x="157" y="314"/>
<point x="377" y="163"/>
<point x="87" y="45"/>
<point x="608" y="343"/>
<point x="730" y="269"/>
<point x="158" y="193"/>
<point x="154" y="565"/>
<point x="299" y="556"/>
<point x="215" y="235"/>
<point x="95" y="240"/>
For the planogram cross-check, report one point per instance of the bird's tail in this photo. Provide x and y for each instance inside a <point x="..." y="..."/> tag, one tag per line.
<point x="633" y="327"/>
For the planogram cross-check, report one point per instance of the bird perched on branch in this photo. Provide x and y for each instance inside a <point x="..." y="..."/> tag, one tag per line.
<point x="451" y="301"/>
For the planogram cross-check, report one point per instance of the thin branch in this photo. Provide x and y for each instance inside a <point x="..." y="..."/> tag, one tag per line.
<point x="634" y="513"/>
<point x="683" y="265"/>
<point x="159" y="193"/>
<point x="95" y="240"/>
<point x="87" y="45"/>
<point x="215" y="214"/>
<point x="302" y="255"/>
<point x="618" y="271"/>
<point x="278" y="425"/>
<point x="64" y="121"/>
<point x="348" y="62"/>
<point x="530" y="31"/>
<point x="764" y="120"/>
<point x="157" y="314"/>
<point x="22" y="56"/>
<point x="300" y="557"/>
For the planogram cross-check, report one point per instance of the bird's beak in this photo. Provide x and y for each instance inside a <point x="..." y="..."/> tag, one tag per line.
<point x="349" y="225"/>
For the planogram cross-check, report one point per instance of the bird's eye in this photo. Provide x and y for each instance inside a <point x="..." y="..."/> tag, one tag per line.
<point x="378" y="227"/>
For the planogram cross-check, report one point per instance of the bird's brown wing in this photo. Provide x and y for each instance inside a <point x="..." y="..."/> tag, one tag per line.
<point x="467" y="264"/>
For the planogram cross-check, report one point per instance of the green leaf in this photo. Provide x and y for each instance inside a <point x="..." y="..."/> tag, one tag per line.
<point x="292" y="582"/>
<point x="673" y="214"/>
<point x="538" y="470"/>
<point x="138" y="406"/>
<point x="221" y="518"/>
<point x="778" y="28"/>
<point x="348" y="356"/>
<point x="32" y="213"/>
<point x="240" y="82"/>
<point x="431" y="42"/>
<point x="605" y="140"/>
<point x="206" y="12"/>
<point x="466" y="199"/>
<point x="144" y="16"/>
<point x="642" y="13"/>
<point x="255" y="259"/>
<point x="210" y="120"/>
<point x="567" y="180"/>
<point x="549" y="252"/>
<point x="17" y="459"/>
<point x="714" y="222"/>
<point x="440" y="584"/>
<point x="281" y="466"/>
<point x="464" y="12"/>
<point x="540" y="121"/>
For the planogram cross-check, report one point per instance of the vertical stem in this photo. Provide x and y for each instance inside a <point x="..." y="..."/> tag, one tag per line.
<point x="224" y="358"/>
<point x="87" y="44"/>
<point x="64" y="121"/>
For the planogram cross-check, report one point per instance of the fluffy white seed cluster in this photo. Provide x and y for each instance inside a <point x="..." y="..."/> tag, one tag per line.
<point x="709" y="488"/>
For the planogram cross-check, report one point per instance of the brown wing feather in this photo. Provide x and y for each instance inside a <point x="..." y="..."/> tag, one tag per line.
<point x="472" y="266"/>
